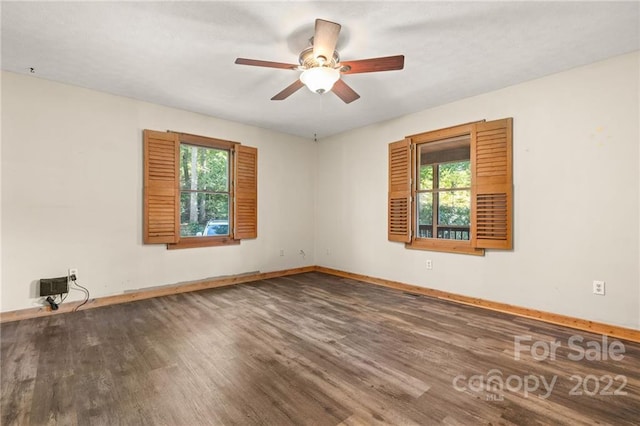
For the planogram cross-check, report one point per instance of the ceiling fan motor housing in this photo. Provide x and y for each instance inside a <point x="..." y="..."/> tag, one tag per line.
<point x="308" y="61"/>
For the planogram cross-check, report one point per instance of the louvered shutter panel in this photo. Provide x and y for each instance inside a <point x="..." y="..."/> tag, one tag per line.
<point x="161" y="192"/>
<point x="399" y="225"/>
<point x="492" y="188"/>
<point x="246" y="192"/>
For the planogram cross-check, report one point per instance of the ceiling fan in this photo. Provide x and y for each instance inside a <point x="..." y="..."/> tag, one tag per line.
<point x="321" y="66"/>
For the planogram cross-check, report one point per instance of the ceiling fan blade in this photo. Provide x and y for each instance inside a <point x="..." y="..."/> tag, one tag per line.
<point x="288" y="91"/>
<point x="268" y="64"/>
<point x="344" y="92"/>
<point x="325" y="39"/>
<point x="387" y="63"/>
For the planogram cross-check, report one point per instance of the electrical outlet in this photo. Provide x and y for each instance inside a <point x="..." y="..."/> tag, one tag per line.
<point x="281" y="252"/>
<point x="73" y="271"/>
<point x="429" y="264"/>
<point x="598" y="287"/>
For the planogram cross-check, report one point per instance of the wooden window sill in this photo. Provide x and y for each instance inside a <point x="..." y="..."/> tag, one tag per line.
<point x="448" y="246"/>
<point x="195" y="242"/>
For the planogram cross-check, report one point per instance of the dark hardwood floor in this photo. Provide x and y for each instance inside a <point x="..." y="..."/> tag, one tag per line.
<point x="309" y="349"/>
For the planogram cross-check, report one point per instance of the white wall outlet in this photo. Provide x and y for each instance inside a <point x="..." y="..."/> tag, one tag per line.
<point x="598" y="287"/>
<point x="73" y="271"/>
<point x="429" y="264"/>
<point x="281" y="252"/>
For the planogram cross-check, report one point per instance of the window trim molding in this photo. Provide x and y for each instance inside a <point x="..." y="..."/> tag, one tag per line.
<point x="191" y="139"/>
<point x="194" y="242"/>
<point x="447" y="132"/>
<point x="449" y="246"/>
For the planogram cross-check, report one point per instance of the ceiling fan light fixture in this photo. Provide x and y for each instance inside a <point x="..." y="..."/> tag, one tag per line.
<point x="320" y="79"/>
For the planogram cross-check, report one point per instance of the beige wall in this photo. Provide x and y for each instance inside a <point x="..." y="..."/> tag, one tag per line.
<point x="577" y="214"/>
<point x="72" y="194"/>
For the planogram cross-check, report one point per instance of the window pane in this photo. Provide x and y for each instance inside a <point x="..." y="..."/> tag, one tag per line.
<point x="426" y="177"/>
<point x="204" y="169"/>
<point x="454" y="175"/>
<point x="425" y="215"/>
<point x="203" y="214"/>
<point x="454" y="208"/>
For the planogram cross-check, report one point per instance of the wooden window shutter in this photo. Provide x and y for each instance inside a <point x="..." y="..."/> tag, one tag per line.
<point x="246" y="192"/>
<point x="399" y="219"/>
<point x="161" y="192"/>
<point x="492" y="184"/>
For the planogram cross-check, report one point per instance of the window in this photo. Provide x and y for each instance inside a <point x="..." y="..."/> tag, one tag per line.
<point x="451" y="189"/>
<point x="204" y="191"/>
<point x="443" y="192"/>
<point x="198" y="191"/>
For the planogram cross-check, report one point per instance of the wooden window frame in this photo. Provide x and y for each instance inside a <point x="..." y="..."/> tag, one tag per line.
<point x="491" y="188"/>
<point x="209" y="241"/>
<point x="435" y="244"/>
<point x="166" y="228"/>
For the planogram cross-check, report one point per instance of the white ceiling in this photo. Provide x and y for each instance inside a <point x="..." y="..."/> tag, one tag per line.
<point x="181" y="54"/>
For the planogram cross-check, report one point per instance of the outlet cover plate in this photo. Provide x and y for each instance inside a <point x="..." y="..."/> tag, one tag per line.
<point x="598" y="287"/>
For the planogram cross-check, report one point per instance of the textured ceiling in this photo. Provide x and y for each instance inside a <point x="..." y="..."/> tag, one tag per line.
<point x="181" y="54"/>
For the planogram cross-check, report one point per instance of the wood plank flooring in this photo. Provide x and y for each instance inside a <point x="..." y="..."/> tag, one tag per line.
<point x="309" y="349"/>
